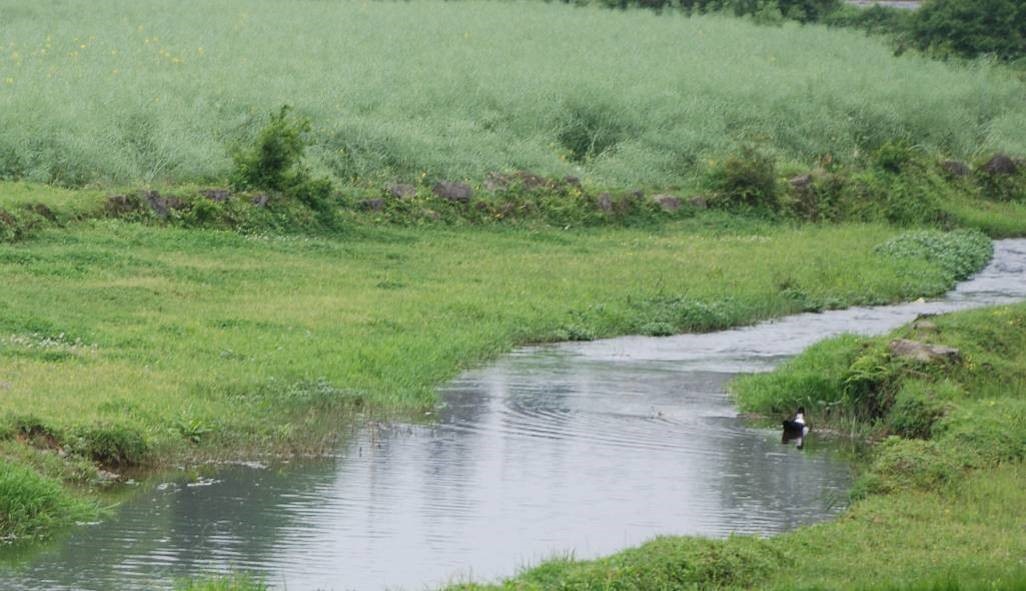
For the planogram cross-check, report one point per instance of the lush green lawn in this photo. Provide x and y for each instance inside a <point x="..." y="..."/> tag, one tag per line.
<point x="940" y="503"/>
<point x="125" y="92"/>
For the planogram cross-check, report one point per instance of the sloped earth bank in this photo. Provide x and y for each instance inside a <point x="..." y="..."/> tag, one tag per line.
<point x="581" y="448"/>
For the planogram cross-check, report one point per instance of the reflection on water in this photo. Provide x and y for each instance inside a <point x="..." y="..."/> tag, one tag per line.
<point x="583" y="448"/>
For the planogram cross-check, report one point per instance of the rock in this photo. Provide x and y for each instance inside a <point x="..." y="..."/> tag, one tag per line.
<point x="260" y="200"/>
<point x="454" y="192"/>
<point x="605" y="202"/>
<point x="668" y="203"/>
<point x="1000" y="164"/>
<point x="5" y="385"/>
<point x="924" y="352"/>
<point x="162" y="205"/>
<point x="401" y="191"/>
<point x="924" y="323"/>
<point x="119" y="205"/>
<point x="372" y="204"/>
<point x="217" y="195"/>
<point x="955" y="168"/>
<point x="699" y="202"/>
<point x="528" y="181"/>
<point x="801" y="183"/>
<point x="924" y="326"/>
<point x="495" y="181"/>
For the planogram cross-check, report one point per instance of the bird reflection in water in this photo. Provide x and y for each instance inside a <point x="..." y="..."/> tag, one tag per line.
<point x="796" y="429"/>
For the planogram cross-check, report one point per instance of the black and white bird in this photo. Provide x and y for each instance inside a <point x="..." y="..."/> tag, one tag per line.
<point x="796" y="428"/>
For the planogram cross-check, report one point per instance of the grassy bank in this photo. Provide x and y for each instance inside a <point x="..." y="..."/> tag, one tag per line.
<point x="122" y="92"/>
<point x="125" y="344"/>
<point x="938" y="506"/>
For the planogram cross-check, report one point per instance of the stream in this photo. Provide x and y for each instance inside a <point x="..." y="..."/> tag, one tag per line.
<point x="575" y="449"/>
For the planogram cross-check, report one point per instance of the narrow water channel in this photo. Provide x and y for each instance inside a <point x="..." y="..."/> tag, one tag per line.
<point x="580" y="449"/>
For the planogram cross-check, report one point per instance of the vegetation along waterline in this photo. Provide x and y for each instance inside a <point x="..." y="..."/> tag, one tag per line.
<point x="184" y="277"/>
<point x="128" y="344"/>
<point x="939" y="505"/>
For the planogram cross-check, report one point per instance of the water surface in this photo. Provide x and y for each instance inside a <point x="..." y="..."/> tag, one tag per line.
<point x="581" y="448"/>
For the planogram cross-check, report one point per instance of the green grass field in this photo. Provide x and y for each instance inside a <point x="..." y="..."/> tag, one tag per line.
<point x="126" y="343"/>
<point x="125" y="92"/>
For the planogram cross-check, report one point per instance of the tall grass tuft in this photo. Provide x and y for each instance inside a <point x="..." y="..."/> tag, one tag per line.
<point x="31" y="504"/>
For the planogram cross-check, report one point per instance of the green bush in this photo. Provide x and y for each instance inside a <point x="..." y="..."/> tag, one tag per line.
<point x="274" y="162"/>
<point x="970" y="28"/>
<point x="745" y="183"/>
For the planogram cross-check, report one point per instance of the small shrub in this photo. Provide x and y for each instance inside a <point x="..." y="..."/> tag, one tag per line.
<point x="274" y="162"/>
<point x="870" y="383"/>
<point x="113" y="445"/>
<point x="588" y="130"/>
<point x="747" y="182"/>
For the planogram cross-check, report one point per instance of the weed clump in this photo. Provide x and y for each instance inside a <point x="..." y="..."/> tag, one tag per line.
<point x="960" y="253"/>
<point x="745" y="183"/>
<point x="113" y="445"/>
<point x="588" y="130"/>
<point x="31" y="504"/>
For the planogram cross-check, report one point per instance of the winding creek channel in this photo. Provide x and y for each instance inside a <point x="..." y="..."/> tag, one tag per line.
<point x="579" y="448"/>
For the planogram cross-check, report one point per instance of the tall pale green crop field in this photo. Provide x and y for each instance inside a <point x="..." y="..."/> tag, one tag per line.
<point x="141" y="91"/>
